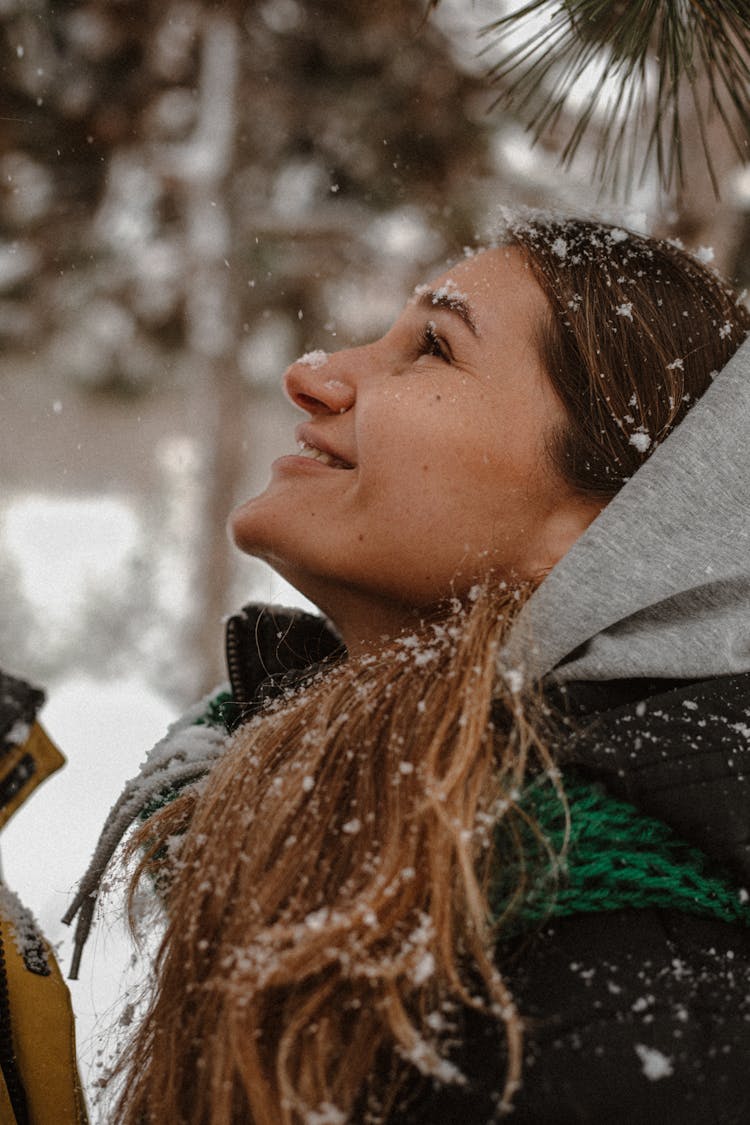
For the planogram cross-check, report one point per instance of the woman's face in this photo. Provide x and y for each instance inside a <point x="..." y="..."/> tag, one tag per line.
<point x="421" y="465"/>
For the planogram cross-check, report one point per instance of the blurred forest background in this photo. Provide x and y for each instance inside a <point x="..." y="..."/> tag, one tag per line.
<point x="192" y="194"/>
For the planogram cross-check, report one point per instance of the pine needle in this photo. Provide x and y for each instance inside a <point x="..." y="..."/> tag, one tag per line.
<point x="648" y="52"/>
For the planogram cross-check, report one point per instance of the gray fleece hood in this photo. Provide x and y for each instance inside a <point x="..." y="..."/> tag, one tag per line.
<point x="659" y="584"/>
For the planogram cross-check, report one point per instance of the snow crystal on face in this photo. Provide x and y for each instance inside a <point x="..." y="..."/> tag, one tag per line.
<point x="641" y="440"/>
<point x="560" y="247"/>
<point x="314" y="359"/>
<point x="626" y="309"/>
<point x="725" y="330"/>
<point x="705" y="254"/>
<point x="675" y="365"/>
<point x="617" y="235"/>
<point x="655" y="1064"/>
<point x="352" y="827"/>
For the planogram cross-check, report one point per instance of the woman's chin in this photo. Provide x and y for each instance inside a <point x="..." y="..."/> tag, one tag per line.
<point x="246" y="524"/>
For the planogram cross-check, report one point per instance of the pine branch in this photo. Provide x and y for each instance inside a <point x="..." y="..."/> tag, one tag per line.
<point x="651" y="51"/>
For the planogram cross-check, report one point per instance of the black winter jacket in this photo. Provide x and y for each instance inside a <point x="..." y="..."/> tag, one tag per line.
<point x="631" y="1015"/>
<point x="636" y="1015"/>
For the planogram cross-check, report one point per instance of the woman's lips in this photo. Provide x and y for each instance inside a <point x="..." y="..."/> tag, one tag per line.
<point x="315" y="447"/>
<point x="304" y="449"/>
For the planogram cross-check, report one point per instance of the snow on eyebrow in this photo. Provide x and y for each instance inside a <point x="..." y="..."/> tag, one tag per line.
<point x="314" y="359"/>
<point x="448" y="296"/>
<point x="448" y="290"/>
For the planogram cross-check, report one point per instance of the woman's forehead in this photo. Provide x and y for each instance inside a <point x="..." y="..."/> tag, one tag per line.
<point x="488" y="288"/>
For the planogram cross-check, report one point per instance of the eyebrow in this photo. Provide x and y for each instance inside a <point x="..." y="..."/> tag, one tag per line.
<point x="451" y="302"/>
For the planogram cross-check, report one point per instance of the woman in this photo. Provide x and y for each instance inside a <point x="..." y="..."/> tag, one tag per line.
<point x="489" y="852"/>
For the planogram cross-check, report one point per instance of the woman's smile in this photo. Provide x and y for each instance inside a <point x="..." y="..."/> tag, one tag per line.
<point x="320" y="455"/>
<point x="329" y="450"/>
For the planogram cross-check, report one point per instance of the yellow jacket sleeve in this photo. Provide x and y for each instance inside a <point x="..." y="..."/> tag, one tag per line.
<point x="42" y="1035"/>
<point x="39" y="1082"/>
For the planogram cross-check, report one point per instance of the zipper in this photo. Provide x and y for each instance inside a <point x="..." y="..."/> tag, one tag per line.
<point x="238" y="680"/>
<point x="265" y="645"/>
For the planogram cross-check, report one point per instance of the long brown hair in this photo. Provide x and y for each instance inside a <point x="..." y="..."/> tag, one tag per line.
<point x="326" y="885"/>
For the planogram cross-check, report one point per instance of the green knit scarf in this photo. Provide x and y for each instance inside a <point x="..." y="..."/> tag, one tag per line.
<point x="617" y="858"/>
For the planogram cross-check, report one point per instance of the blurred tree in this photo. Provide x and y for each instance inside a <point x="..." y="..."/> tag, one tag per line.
<point x="115" y="110"/>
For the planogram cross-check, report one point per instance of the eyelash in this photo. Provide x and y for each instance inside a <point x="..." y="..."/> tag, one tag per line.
<point x="431" y="344"/>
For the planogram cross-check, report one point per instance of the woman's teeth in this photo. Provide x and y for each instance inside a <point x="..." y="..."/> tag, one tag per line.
<point x="305" y="450"/>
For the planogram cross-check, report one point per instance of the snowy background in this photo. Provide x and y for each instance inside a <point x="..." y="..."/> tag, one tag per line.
<point x="193" y="194"/>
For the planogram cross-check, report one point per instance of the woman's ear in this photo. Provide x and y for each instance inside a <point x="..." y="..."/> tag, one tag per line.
<point x="564" y="525"/>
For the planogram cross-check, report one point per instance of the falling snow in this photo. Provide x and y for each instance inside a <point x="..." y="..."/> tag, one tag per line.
<point x="655" y="1064"/>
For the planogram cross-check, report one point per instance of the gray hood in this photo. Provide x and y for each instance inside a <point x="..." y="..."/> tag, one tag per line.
<point x="659" y="584"/>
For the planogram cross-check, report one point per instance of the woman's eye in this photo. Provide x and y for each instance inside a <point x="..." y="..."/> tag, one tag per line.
<point x="431" y="344"/>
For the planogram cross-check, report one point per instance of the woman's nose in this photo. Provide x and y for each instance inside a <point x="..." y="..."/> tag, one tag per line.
<point x="318" y="384"/>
